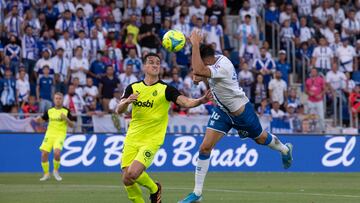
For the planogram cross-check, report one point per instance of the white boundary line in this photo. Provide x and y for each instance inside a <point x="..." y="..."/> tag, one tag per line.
<point x="208" y="190"/>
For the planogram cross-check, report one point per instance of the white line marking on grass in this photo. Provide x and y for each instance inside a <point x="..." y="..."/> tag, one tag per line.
<point x="208" y="190"/>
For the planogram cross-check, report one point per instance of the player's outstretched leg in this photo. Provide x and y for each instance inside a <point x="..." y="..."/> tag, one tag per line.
<point x="45" y="165"/>
<point x="202" y="166"/>
<point x="269" y="139"/>
<point x="56" y="163"/>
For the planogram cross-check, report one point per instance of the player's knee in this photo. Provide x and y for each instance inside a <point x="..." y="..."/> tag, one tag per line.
<point x="44" y="156"/>
<point x="205" y="149"/>
<point x="129" y="177"/>
<point x="262" y="138"/>
<point x="57" y="155"/>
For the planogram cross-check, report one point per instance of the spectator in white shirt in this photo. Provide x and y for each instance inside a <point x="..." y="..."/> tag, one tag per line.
<point x="96" y="44"/>
<point x="305" y="7"/>
<point x="193" y="90"/>
<point x="305" y="32"/>
<point x="249" y="52"/>
<point x="278" y="89"/>
<point x="286" y="15"/>
<point x="350" y="27"/>
<point x="322" y="56"/>
<point x="214" y="34"/>
<point x="329" y="31"/>
<point x="61" y="67"/>
<point x="84" y="42"/>
<point x="324" y="12"/>
<point x="88" y="9"/>
<point x="90" y="91"/>
<point x="245" y="30"/>
<point x="339" y="15"/>
<point x="44" y="61"/>
<point x="246" y="79"/>
<point x="128" y="77"/>
<point x="65" y="23"/>
<point x="247" y="10"/>
<point x="276" y="112"/>
<point x="13" y="22"/>
<point x="79" y="90"/>
<point x="80" y="22"/>
<point x="22" y="87"/>
<point x="79" y="66"/>
<point x="115" y="100"/>
<point x="73" y="102"/>
<point x="347" y="56"/>
<point x="182" y="26"/>
<point x="197" y="9"/>
<point x="67" y="44"/>
<point x="334" y="79"/>
<point x="100" y="29"/>
<point x="287" y="32"/>
<point x="64" y="5"/>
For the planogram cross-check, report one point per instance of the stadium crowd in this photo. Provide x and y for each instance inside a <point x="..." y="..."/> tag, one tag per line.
<point x="90" y="50"/>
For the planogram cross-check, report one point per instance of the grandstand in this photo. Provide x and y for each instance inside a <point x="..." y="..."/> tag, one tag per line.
<point x="297" y="60"/>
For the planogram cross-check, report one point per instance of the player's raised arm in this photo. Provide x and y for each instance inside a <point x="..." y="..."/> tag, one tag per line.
<point x="198" y="65"/>
<point x="126" y="99"/>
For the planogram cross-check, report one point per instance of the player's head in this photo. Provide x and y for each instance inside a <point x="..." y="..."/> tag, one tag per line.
<point x="58" y="99"/>
<point x="151" y="64"/>
<point x="207" y="53"/>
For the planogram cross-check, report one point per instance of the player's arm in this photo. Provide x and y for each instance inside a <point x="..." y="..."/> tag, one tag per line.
<point x="69" y="119"/>
<point x="198" y="65"/>
<point x="43" y="118"/>
<point x="126" y="99"/>
<point x="172" y="94"/>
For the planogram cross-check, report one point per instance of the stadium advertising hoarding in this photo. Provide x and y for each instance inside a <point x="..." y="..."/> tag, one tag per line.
<point x="102" y="153"/>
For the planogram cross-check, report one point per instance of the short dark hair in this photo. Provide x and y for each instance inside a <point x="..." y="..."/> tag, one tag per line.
<point x="206" y="50"/>
<point x="148" y="55"/>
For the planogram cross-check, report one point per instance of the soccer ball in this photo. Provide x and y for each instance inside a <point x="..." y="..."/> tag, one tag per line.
<point x="173" y="40"/>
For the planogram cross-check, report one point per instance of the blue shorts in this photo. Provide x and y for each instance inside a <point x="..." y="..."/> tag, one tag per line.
<point x="247" y="123"/>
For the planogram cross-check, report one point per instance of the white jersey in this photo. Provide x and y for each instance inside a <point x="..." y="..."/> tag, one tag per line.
<point x="225" y="87"/>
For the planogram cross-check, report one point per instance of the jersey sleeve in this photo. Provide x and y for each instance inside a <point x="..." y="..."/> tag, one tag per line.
<point x="45" y="116"/>
<point x="219" y="69"/>
<point x="128" y="91"/>
<point x="69" y="116"/>
<point x="171" y="93"/>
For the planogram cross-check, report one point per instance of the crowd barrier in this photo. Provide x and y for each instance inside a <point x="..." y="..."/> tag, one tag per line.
<point x="102" y="153"/>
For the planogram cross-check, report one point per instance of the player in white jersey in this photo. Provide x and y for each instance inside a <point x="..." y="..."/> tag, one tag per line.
<point x="233" y="110"/>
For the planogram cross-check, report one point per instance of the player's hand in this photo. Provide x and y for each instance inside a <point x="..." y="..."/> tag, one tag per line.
<point x="196" y="37"/>
<point x="197" y="79"/>
<point x="207" y="97"/>
<point x="132" y="98"/>
<point x="63" y="117"/>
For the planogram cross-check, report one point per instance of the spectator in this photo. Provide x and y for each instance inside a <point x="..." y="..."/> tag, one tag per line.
<point x="259" y="91"/>
<point x="286" y="33"/>
<point x="115" y="56"/>
<point x="323" y="12"/>
<point x="264" y="108"/>
<point x="217" y="10"/>
<point x="133" y="12"/>
<point x="81" y="24"/>
<point x="182" y="26"/>
<point x="67" y="44"/>
<point x="45" y="60"/>
<point x="350" y="27"/>
<point x="276" y="112"/>
<point x="330" y="31"/>
<point x="128" y="77"/>
<point x="66" y="23"/>
<point x="334" y="79"/>
<point x="214" y="34"/>
<point x="97" y="69"/>
<point x="51" y="13"/>
<point x="249" y="52"/>
<point x="13" y="22"/>
<point x="153" y="10"/>
<point x="133" y="28"/>
<point x="91" y="92"/>
<point x="354" y="99"/>
<point x="30" y="19"/>
<point x="84" y="42"/>
<point x="44" y="89"/>
<point x="245" y="30"/>
<point x="271" y="18"/>
<point x="88" y="9"/>
<point x="293" y="99"/>
<point x="193" y="90"/>
<point x="339" y="15"/>
<point x="74" y="102"/>
<point x="129" y="44"/>
<point x="100" y="29"/>
<point x="8" y="91"/>
<point x="347" y="56"/>
<point x="103" y="10"/>
<point x="147" y="35"/>
<point x="13" y="51"/>
<point x="286" y="14"/>
<point x="322" y="57"/>
<point x="29" y="50"/>
<point x="22" y="87"/>
<point x="135" y="61"/>
<point x="79" y="66"/>
<point x="30" y="106"/>
<point x="265" y="66"/>
<point x="306" y="33"/>
<point x="47" y="42"/>
<point x="177" y="81"/>
<point x="65" y="5"/>
<point x="96" y="43"/>
<point x="78" y="89"/>
<point x="245" y="78"/>
<point x="107" y="85"/>
<point x="304" y="7"/>
<point x="278" y="89"/>
<point x="61" y="68"/>
<point x="115" y="100"/>
<point x="283" y="66"/>
<point x="197" y="9"/>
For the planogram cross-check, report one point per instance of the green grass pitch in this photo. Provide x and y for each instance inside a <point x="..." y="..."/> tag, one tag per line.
<point x="219" y="187"/>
